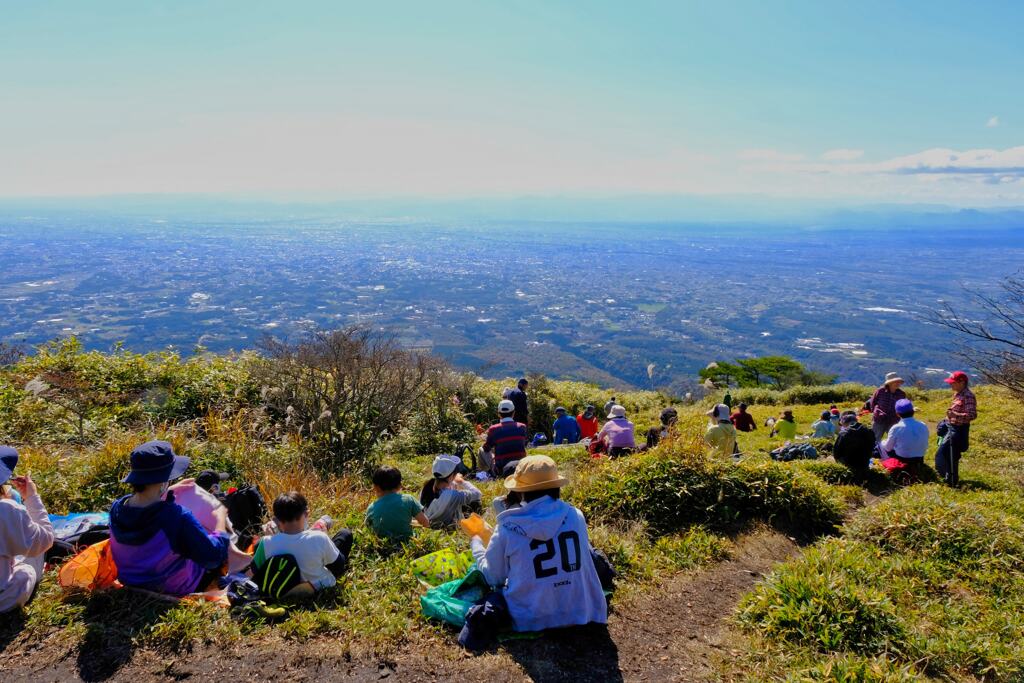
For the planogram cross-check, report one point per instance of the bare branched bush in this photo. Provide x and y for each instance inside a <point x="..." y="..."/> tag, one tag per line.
<point x="343" y="391"/>
<point x="992" y="339"/>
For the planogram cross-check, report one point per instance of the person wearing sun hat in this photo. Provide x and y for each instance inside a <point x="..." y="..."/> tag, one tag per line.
<point x="539" y="559"/>
<point x="447" y="495"/>
<point x="618" y="433"/>
<point x="883" y="405"/>
<point x="961" y="413"/>
<point x="25" y="535"/>
<point x="721" y="433"/>
<point x="156" y="543"/>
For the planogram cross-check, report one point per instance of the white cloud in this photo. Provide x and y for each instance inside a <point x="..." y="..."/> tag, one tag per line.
<point x="842" y="154"/>
<point x="993" y="122"/>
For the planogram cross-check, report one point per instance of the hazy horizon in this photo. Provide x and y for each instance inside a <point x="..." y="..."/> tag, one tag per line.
<point x="835" y="105"/>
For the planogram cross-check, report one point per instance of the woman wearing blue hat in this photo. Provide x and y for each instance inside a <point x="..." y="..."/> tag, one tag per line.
<point x="25" y="535"/>
<point x="157" y="544"/>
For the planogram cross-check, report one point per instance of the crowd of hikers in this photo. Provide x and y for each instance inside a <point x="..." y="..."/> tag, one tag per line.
<point x="177" y="536"/>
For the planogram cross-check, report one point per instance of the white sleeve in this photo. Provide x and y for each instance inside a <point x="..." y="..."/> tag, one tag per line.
<point x="491" y="560"/>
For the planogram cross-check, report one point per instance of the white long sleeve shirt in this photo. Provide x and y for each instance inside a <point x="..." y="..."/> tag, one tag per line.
<point x="24" y="531"/>
<point x="540" y="555"/>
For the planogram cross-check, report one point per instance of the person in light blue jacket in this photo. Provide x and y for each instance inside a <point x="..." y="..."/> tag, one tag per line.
<point x="565" y="428"/>
<point x="908" y="439"/>
<point x="823" y="428"/>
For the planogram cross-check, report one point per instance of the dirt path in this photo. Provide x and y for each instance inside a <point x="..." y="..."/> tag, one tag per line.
<point x="669" y="634"/>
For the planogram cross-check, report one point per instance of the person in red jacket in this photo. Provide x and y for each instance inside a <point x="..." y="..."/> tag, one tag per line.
<point x="742" y="420"/>
<point x="587" y="420"/>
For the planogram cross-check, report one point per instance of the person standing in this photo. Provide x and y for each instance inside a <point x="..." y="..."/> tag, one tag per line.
<point x="521" y="401"/>
<point x="959" y="416"/>
<point x="883" y="405"/>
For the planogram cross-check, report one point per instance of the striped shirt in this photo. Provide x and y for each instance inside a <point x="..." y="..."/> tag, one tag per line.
<point x="507" y="440"/>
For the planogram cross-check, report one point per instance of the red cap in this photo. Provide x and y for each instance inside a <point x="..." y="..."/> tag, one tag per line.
<point x="958" y="376"/>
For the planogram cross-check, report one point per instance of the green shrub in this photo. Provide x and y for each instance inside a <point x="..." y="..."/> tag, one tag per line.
<point x="676" y="486"/>
<point x="848" y="392"/>
<point x="817" y="601"/>
<point x="942" y="524"/>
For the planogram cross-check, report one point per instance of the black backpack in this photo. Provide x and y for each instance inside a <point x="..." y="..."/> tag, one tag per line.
<point x="461" y="451"/>
<point x="278" y="575"/>
<point x="246" y="510"/>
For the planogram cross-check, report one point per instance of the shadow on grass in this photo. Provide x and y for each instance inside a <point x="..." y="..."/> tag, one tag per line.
<point x="11" y="625"/>
<point x="115" y="622"/>
<point x="581" y="653"/>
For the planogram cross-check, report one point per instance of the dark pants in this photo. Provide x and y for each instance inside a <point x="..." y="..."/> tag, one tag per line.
<point x="343" y="542"/>
<point x="484" y="621"/>
<point x="947" y="458"/>
<point x="619" y="451"/>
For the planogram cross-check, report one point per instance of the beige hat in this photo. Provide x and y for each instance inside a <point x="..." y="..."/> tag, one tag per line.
<point x="617" y="411"/>
<point x="535" y="473"/>
<point x="892" y="377"/>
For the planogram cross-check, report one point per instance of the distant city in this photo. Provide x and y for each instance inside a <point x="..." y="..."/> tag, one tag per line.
<point x="637" y="305"/>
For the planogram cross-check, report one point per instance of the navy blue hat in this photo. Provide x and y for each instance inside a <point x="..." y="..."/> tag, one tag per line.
<point x="8" y="461"/>
<point x="155" y="462"/>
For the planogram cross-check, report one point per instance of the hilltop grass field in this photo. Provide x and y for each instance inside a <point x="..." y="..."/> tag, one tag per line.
<point x="892" y="584"/>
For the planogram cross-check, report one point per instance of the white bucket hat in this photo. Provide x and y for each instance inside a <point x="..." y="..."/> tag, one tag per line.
<point x="617" y="411"/>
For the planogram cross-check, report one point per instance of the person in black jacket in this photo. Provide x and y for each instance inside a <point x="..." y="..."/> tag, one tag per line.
<point x="521" y="401"/>
<point x="855" y="445"/>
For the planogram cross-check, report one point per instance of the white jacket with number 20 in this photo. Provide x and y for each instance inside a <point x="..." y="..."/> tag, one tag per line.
<point x="540" y="554"/>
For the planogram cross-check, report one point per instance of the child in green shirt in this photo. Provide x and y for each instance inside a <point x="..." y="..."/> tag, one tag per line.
<point x="391" y="515"/>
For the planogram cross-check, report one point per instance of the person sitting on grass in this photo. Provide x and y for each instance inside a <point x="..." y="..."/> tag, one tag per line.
<point x="25" y="535"/>
<point x="854" y="446"/>
<point x="157" y="544"/>
<point x="617" y="433"/>
<point x="785" y="426"/>
<point x="320" y="558"/>
<point x="539" y="560"/>
<point x="565" y="428"/>
<point x="742" y="420"/>
<point x="505" y="442"/>
<point x="823" y="428"/>
<point x="391" y="515"/>
<point x="588" y="423"/>
<point x="447" y="496"/>
<point x="669" y="417"/>
<point x="721" y="434"/>
<point x="908" y="439"/>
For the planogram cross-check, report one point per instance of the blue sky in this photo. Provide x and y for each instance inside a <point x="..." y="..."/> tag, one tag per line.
<point x="851" y="102"/>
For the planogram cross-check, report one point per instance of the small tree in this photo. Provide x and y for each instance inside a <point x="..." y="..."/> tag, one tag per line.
<point x="777" y="372"/>
<point x="344" y="390"/>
